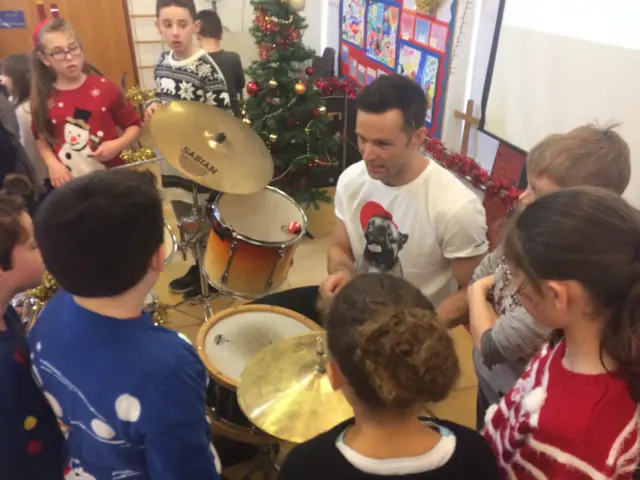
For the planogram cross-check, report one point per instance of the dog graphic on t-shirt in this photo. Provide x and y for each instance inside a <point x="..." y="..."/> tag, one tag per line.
<point x="383" y="241"/>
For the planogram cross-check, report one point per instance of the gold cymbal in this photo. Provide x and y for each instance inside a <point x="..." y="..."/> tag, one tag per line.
<point x="211" y="147"/>
<point x="283" y="391"/>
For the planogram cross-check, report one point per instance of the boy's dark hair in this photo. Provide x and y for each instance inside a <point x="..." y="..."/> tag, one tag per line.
<point x="590" y="236"/>
<point x="388" y="92"/>
<point x="383" y="334"/>
<point x="210" y="24"/>
<point x="12" y="232"/>
<point x="98" y="233"/>
<point x="188" y="4"/>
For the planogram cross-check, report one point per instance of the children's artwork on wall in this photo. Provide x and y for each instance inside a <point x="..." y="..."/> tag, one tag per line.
<point x="423" y="27"/>
<point x="353" y="21"/>
<point x="361" y="74"/>
<point x="429" y="81"/>
<point x="353" y="68"/>
<point x="382" y="33"/>
<point x="372" y="74"/>
<point x="344" y="54"/>
<point x="407" y="24"/>
<point x="438" y="36"/>
<point x="410" y="63"/>
<point x="399" y="38"/>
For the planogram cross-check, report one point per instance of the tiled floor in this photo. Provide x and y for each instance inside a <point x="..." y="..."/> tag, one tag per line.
<point x="308" y="269"/>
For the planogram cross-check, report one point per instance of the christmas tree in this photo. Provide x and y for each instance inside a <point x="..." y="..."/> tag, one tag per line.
<point x="284" y="107"/>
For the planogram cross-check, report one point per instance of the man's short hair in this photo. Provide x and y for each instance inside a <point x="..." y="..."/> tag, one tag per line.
<point x="188" y="4"/>
<point x="210" y="24"/>
<point x="98" y="233"/>
<point x="389" y="92"/>
<point x="589" y="155"/>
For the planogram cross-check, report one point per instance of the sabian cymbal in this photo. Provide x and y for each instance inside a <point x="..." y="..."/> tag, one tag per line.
<point x="285" y="394"/>
<point x="211" y="147"/>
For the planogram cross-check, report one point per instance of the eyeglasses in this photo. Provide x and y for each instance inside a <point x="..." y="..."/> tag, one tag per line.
<point x="73" y="51"/>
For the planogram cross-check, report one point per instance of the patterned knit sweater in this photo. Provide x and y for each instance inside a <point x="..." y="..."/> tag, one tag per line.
<point x="197" y="78"/>
<point x="556" y="424"/>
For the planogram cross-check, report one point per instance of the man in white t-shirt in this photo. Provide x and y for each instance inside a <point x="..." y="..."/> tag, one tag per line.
<point x="398" y="211"/>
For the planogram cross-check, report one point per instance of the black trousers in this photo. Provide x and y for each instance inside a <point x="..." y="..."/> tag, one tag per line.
<point x="302" y="300"/>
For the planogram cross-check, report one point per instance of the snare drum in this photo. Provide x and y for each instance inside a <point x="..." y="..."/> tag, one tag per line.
<point x="170" y="244"/>
<point x="225" y="343"/>
<point x="250" y="248"/>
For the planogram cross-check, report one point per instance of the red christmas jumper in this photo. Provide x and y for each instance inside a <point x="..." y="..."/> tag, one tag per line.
<point x="557" y="424"/>
<point x="86" y="116"/>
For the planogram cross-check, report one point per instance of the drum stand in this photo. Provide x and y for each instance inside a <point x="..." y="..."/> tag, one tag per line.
<point x="194" y="230"/>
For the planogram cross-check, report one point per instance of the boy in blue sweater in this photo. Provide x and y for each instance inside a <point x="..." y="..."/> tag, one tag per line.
<point x="131" y="393"/>
<point x="31" y="444"/>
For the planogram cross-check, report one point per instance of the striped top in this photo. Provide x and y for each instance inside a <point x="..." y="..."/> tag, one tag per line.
<point x="557" y="424"/>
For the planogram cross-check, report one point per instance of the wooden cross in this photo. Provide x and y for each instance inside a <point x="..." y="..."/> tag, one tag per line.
<point x="469" y="121"/>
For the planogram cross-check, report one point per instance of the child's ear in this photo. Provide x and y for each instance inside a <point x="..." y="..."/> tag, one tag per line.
<point x="336" y="379"/>
<point x="157" y="262"/>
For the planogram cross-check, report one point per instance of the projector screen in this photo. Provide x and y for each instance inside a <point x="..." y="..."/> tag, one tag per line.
<point x="559" y="64"/>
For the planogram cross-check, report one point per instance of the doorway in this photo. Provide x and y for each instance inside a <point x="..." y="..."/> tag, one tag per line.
<point x="101" y="25"/>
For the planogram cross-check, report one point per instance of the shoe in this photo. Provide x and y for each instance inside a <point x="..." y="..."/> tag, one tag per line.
<point x="186" y="282"/>
<point x="196" y="291"/>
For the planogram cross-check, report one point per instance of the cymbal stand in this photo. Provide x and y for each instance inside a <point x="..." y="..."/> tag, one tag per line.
<point x="194" y="230"/>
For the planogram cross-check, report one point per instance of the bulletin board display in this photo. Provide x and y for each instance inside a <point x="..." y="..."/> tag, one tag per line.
<point x="378" y="37"/>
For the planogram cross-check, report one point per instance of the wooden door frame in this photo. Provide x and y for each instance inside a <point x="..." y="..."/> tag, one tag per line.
<point x="132" y="49"/>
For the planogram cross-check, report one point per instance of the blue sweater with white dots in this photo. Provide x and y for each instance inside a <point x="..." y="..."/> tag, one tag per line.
<point x="131" y="394"/>
<point x="31" y="444"/>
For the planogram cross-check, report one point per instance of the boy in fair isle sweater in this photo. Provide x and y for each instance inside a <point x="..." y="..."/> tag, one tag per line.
<point x="186" y="73"/>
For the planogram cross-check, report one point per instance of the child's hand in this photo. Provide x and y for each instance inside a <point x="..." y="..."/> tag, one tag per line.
<point x="148" y="113"/>
<point x="481" y="287"/>
<point x="107" y="151"/>
<point x="59" y="174"/>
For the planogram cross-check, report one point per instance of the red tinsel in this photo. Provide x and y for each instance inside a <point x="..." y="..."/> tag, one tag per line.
<point x="463" y="166"/>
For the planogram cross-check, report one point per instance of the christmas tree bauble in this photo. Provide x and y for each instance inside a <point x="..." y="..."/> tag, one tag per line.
<point x="297" y="5"/>
<point x="253" y="88"/>
<point x="301" y="88"/>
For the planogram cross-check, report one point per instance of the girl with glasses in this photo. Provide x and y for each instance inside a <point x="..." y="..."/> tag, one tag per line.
<point x="77" y="116"/>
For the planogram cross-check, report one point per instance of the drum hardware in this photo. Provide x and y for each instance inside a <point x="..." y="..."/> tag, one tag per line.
<point x="141" y="163"/>
<point x="269" y="283"/>
<point x="285" y="392"/>
<point x="232" y="252"/>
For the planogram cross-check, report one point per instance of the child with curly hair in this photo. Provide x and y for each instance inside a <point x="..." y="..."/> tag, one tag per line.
<point x="390" y="356"/>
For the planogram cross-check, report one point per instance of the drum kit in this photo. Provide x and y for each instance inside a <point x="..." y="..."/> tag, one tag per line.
<point x="267" y="364"/>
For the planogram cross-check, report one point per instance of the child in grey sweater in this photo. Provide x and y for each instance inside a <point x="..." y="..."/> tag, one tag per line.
<point x="505" y="335"/>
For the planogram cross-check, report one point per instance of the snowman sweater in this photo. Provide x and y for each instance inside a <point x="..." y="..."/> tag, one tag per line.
<point x="557" y="424"/>
<point x="197" y="78"/>
<point x="84" y="117"/>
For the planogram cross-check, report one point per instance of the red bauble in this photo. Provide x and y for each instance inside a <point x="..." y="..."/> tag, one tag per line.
<point x="253" y="89"/>
<point x="294" y="227"/>
<point x="309" y="71"/>
<point x="315" y="113"/>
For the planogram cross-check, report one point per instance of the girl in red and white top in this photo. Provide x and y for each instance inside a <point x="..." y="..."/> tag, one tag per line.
<point x="77" y="117"/>
<point x="575" y="257"/>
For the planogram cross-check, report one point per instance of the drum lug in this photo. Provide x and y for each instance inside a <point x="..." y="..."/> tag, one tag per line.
<point x="269" y="282"/>
<point x="232" y="252"/>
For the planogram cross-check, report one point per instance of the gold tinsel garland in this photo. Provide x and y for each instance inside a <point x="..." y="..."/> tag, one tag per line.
<point x="428" y="6"/>
<point x="135" y="156"/>
<point x="139" y="96"/>
<point x="36" y="298"/>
